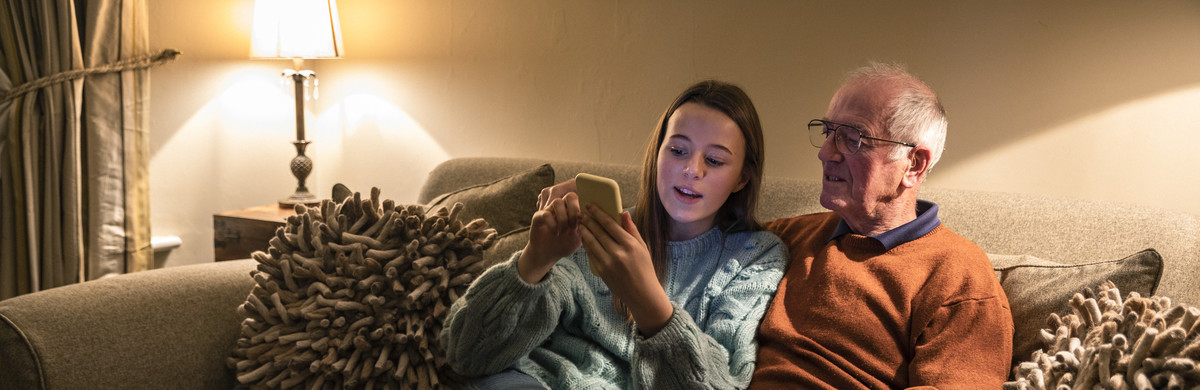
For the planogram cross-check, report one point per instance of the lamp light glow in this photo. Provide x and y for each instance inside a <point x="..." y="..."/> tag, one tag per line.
<point x="296" y="30"/>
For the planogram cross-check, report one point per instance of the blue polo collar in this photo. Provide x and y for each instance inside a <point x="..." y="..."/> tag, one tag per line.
<point x="926" y="221"/>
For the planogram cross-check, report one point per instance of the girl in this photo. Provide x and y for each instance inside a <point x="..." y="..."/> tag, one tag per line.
<point x="680" y="285"/>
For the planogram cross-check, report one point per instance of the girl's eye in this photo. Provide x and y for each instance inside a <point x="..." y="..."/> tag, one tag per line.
<point x="714" y="162"/>
<point x="677" y="151"/>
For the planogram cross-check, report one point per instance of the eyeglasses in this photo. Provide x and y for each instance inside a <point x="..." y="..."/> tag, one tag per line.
<point x="847" y="138"/>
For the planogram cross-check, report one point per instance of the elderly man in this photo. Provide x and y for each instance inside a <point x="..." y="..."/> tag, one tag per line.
<point x="879" y="294"/>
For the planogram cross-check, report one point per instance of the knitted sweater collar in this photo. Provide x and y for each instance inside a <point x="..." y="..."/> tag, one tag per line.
<point x="696" y="247"/>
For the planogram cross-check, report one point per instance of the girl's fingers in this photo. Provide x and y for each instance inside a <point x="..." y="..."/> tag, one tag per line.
<point x="564" y="212"/>
<point x="560" y="212"/>
<point x="594" y="220"/>
<point x="557" y="191"/>
<point x="571" y="200"/>
<point x="545" y="218"/>
<point x="629" y="227"/>
<point x="543" y="198"/>
<point x="610" y="225"/>
<point x="596" y="252"/>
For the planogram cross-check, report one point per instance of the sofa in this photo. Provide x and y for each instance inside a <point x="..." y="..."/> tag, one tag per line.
<point x="175" y="327"/>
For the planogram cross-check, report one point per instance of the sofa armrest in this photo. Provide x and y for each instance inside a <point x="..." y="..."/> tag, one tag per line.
<point x="169" y="328"/>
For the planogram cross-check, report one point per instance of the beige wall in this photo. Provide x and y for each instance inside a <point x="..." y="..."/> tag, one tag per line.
<point x="1084" y="99"/>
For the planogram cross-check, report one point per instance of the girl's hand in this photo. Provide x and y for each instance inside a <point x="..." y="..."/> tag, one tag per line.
<point x="553" y="234"/>
<point x="557" y="191"/>
<point x="621" y="258"/>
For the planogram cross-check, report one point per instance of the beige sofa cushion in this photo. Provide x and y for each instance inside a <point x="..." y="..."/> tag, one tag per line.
<point x="1037" y="287"/>
<point x="506" y="203"/>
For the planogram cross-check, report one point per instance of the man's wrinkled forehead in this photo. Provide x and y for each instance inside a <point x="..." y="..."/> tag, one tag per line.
<point x="862" y="103"/>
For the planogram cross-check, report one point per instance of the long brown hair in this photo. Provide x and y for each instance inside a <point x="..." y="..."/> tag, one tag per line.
<point x="737" y="213"/>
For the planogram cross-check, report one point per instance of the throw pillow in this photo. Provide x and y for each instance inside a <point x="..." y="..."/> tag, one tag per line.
<point x="505" y="246"/>
<point x="1112" y="343"/>
<point x="1036" y="288"/>
<point x="507" y="204"/>
<point x="353" y="295"/>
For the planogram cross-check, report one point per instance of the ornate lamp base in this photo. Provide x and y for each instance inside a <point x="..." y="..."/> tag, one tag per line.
<point x="301" y="167"/>
<point x="300" y="197"/>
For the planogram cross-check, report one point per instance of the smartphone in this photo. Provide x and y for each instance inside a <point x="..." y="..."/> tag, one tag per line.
<point x="600" y="190"/>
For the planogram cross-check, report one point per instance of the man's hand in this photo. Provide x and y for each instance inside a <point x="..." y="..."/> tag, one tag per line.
<point x="553" y="234"/>
<point x="621" y="258"/>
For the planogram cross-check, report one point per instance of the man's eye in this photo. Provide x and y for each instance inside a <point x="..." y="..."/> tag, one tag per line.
<point x="849" y="134"/>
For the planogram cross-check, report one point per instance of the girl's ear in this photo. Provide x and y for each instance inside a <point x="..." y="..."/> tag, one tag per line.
<point x="745" y="179"/>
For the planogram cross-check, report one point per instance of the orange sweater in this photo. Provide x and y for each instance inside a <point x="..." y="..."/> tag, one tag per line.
<point x="848" y="315"/>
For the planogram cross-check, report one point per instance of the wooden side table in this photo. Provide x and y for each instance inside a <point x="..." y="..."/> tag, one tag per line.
<point x="238" y="233"/>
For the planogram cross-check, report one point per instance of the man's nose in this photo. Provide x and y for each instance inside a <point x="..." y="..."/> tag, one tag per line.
<point x="829" y="150"/>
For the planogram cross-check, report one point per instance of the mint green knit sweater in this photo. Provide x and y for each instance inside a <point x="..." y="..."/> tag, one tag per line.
<point x="563" y="330"/>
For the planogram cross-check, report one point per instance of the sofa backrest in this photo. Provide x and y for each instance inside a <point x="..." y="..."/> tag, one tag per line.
<point x="1068" y="231"/>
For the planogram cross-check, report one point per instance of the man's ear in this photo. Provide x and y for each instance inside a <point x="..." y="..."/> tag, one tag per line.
<point x="918" y="166"/>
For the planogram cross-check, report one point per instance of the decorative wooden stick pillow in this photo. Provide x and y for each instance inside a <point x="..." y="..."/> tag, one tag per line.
<point x="353" y="295"/>
<point x="1107" y="343"/>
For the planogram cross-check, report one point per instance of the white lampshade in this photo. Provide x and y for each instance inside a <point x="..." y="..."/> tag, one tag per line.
<point x="295" y="29"/>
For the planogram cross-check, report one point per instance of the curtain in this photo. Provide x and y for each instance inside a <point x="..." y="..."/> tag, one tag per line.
<point x="118" y="152"/>
<point x="74" y="198"/>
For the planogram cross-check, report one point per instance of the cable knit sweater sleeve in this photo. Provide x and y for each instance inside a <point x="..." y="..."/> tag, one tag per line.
<point x="501" y="318"/>
<point x="714" y="347"/>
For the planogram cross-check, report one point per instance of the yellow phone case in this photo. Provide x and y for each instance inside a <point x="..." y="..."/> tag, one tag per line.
<point x="602" y="191"/>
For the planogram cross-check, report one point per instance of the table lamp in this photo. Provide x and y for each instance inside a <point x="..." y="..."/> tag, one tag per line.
<point x="296" y="30"/>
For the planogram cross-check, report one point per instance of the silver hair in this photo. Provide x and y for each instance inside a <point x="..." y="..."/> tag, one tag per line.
<point x="915" y="115"/>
